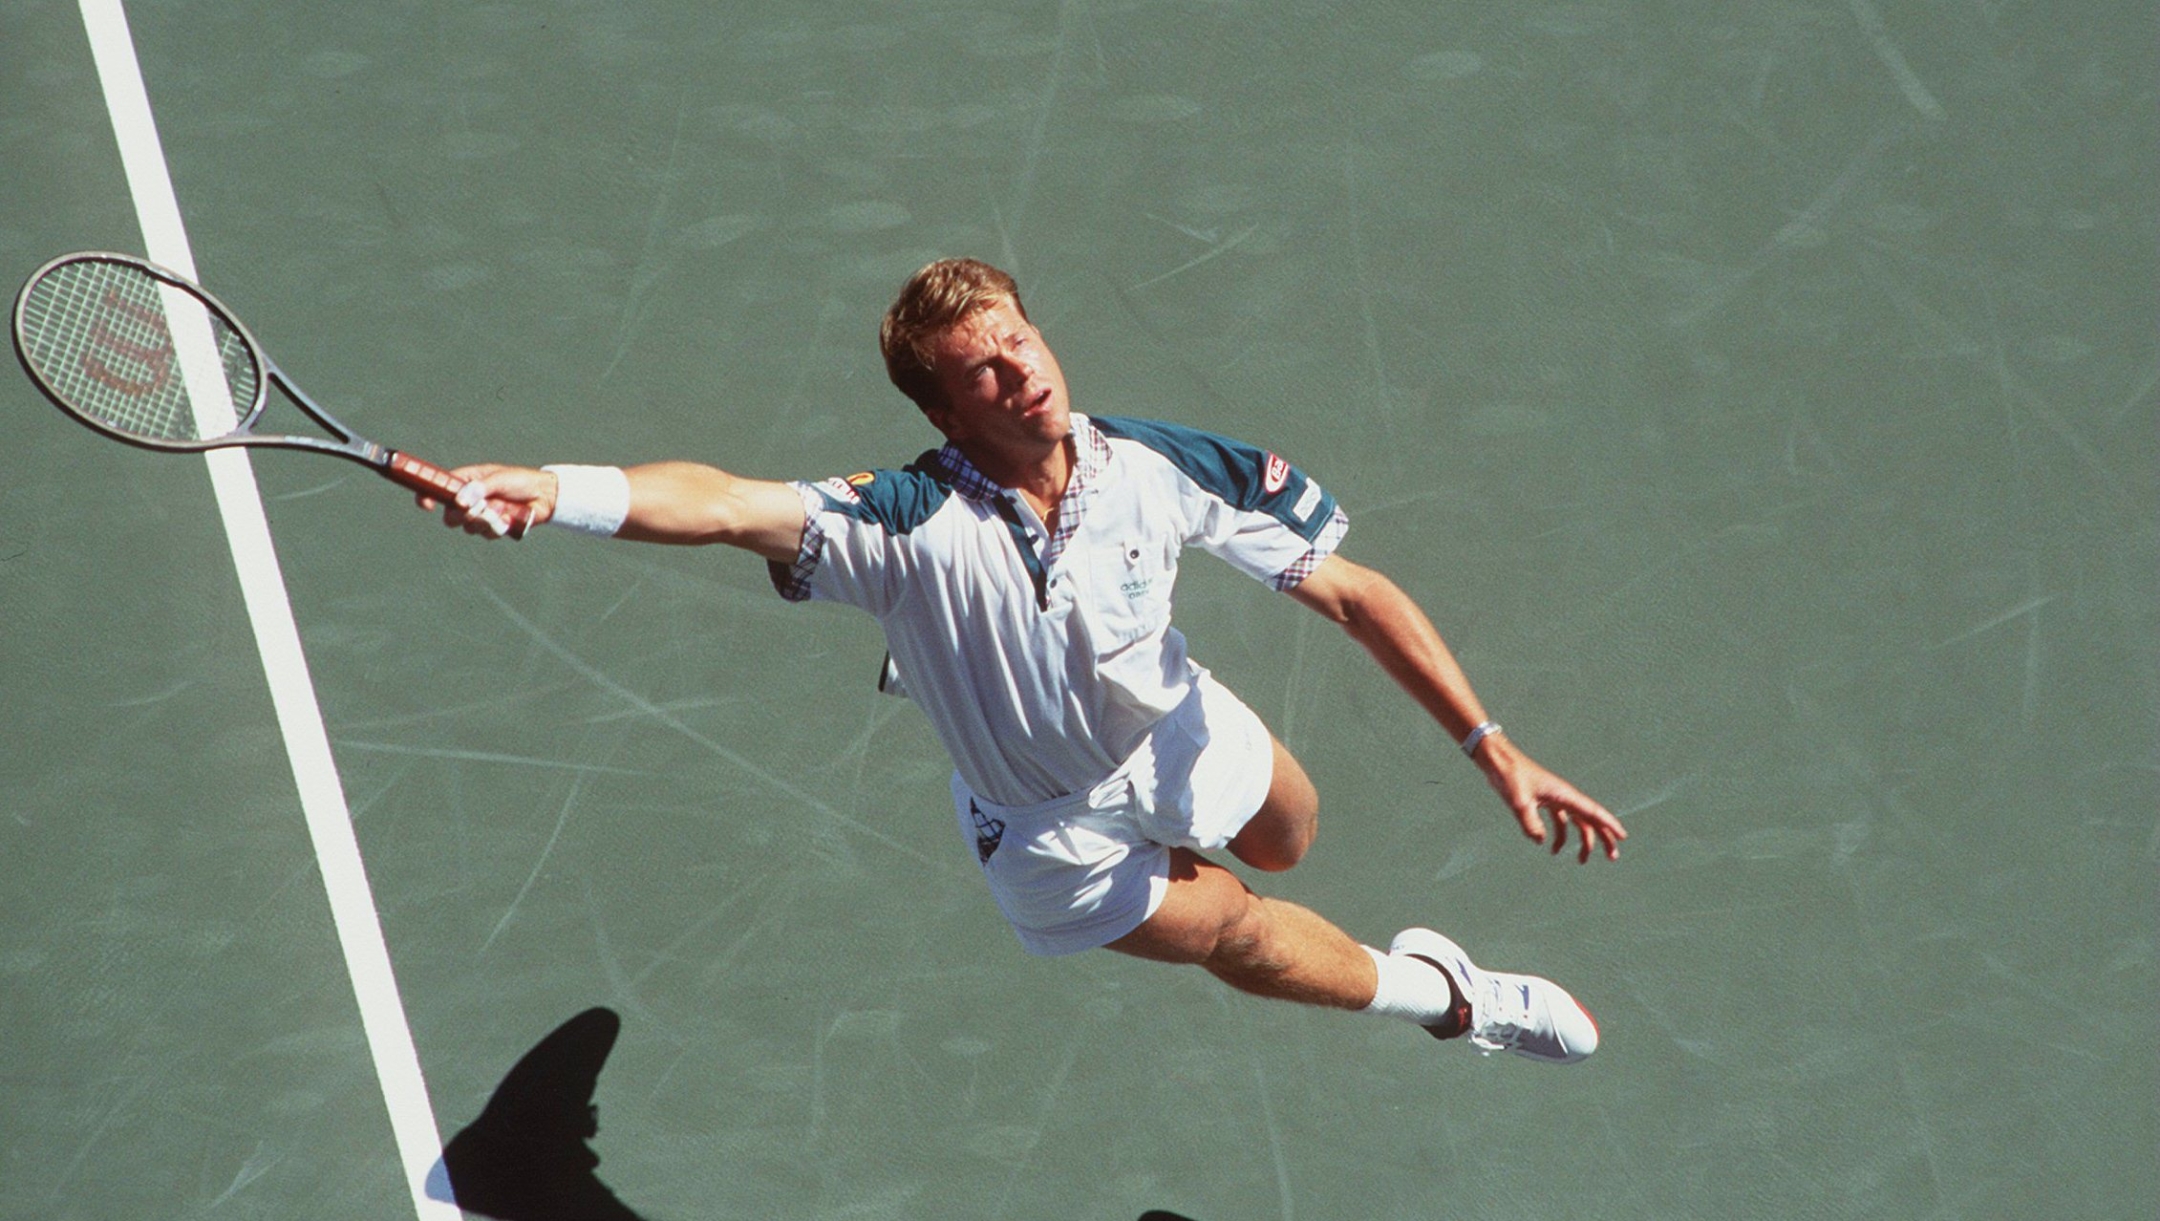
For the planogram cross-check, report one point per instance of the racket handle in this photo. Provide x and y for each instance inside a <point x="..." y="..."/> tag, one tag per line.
<point x="429" y="479"/>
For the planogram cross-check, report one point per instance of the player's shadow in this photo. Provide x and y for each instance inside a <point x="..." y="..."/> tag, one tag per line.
<point x="526" y="1158"/>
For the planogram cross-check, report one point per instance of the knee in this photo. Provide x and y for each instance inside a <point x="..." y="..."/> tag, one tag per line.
<point x="1277" y="844"/>
<point x="1245" y="952"/>
<point x="1282" y="831"/>
<point x="1234" y="941"/>
<point x="1204" y="913"/>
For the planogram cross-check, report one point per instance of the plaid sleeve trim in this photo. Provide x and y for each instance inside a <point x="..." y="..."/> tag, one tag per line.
<point x="1331" y="536"/>
<point x="792" y="581"/>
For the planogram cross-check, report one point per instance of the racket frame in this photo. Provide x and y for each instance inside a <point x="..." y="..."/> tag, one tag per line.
<point x="399" y="467"/>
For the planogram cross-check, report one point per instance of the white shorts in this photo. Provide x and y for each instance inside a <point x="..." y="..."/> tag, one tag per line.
<point x="1083" y="870"/>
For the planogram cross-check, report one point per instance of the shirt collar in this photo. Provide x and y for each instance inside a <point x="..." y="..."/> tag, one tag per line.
<point x="1091" y="452"/>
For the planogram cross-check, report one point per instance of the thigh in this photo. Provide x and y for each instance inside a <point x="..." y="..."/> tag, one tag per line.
<point x="1279" y="834"/>
<point x="1202" y="902"/>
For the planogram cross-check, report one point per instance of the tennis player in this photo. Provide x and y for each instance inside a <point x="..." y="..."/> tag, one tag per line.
<point x="1022" y="574"/>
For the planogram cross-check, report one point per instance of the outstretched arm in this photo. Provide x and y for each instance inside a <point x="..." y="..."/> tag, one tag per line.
<point x="670" y="502"/>
<point x="1380" y="616"/>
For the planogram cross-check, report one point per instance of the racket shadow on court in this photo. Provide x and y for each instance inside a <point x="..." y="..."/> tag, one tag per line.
<point x="525" y="1157"/>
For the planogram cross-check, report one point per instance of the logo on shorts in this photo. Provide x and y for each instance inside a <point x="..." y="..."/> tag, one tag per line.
<point x="1277" y="475"/>
<point x="988" y="831"/>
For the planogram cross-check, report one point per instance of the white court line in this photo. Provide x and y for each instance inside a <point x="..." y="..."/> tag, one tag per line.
<point x="277" y="638"/>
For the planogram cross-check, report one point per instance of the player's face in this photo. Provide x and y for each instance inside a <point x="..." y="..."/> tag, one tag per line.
<point x="1002" y="388"/>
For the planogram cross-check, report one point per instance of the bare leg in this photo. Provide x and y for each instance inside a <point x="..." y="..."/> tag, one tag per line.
<point x="1255" y="944"/>
<point x="1264" y="946"/>
<point x="1278" y="836"/>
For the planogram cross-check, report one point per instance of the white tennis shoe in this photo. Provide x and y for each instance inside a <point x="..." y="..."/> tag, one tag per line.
<point x="1520" y="1013"/>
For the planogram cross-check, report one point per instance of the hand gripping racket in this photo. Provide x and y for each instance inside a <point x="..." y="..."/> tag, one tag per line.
<point x="141" y="354"/>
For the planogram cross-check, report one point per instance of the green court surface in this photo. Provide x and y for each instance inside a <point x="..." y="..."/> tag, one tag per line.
<point x="1761" y="397"/>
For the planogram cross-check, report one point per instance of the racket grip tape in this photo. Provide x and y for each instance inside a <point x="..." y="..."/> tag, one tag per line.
<point x="429" y="479"/>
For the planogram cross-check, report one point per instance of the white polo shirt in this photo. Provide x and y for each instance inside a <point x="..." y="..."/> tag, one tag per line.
<point x="1042" y="660"/>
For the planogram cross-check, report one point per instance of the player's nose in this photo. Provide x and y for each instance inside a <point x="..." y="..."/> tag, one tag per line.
<point x="1015" y="375"/>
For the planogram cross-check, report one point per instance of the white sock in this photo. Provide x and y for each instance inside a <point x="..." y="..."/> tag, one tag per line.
<point x="1410" y="989"/>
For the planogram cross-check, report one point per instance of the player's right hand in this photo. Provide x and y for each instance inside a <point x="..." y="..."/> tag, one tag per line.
<point x="511" y="491"/>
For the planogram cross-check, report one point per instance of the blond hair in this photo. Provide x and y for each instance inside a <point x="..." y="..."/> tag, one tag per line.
<point x="932" y="302"/>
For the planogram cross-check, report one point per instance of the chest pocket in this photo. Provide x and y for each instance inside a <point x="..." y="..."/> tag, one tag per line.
<point x="1129" y="584"/>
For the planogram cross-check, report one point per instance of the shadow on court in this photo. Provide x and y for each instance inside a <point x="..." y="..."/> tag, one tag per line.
<point x="526" y="1158"/>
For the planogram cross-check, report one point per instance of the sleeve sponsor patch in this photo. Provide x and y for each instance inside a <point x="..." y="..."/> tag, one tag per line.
<point x="1309" y="501"/>
<point x="842" y="490"/>
<point x="1276" y="475"/>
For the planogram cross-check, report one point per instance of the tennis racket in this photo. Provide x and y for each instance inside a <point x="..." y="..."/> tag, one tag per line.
<point x="145" y="356"/>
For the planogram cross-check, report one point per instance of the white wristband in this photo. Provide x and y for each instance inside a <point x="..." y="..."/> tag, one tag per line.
<point x="1482" y="732"/>
<point x="590" y="499"/>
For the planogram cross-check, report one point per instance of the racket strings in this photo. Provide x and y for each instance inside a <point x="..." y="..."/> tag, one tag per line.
<point x="101" y="336"/>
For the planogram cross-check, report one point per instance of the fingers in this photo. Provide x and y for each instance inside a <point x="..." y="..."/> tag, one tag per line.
<point x="1591" y="832"/>
<point x="1583" y="834"/>
<point x="469" y="510"/>
<point x="1532" y="820"/>
<point x="1563" y="818"/>
<point x="491" y="500"/>
<point x="1531" y="793"/>
<point x="1607" y="826"/>
<point x="473" y="499"/>
<point x="1593" y="823"/>
<point x="1593" y="826"/>
<point x="465" y="475"/>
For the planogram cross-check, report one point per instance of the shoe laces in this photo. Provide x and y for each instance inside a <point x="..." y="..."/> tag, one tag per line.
<point x="1500" y="1012"/>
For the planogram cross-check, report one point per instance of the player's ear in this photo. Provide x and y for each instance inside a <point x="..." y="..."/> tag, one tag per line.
<point x="941" y="418"/>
